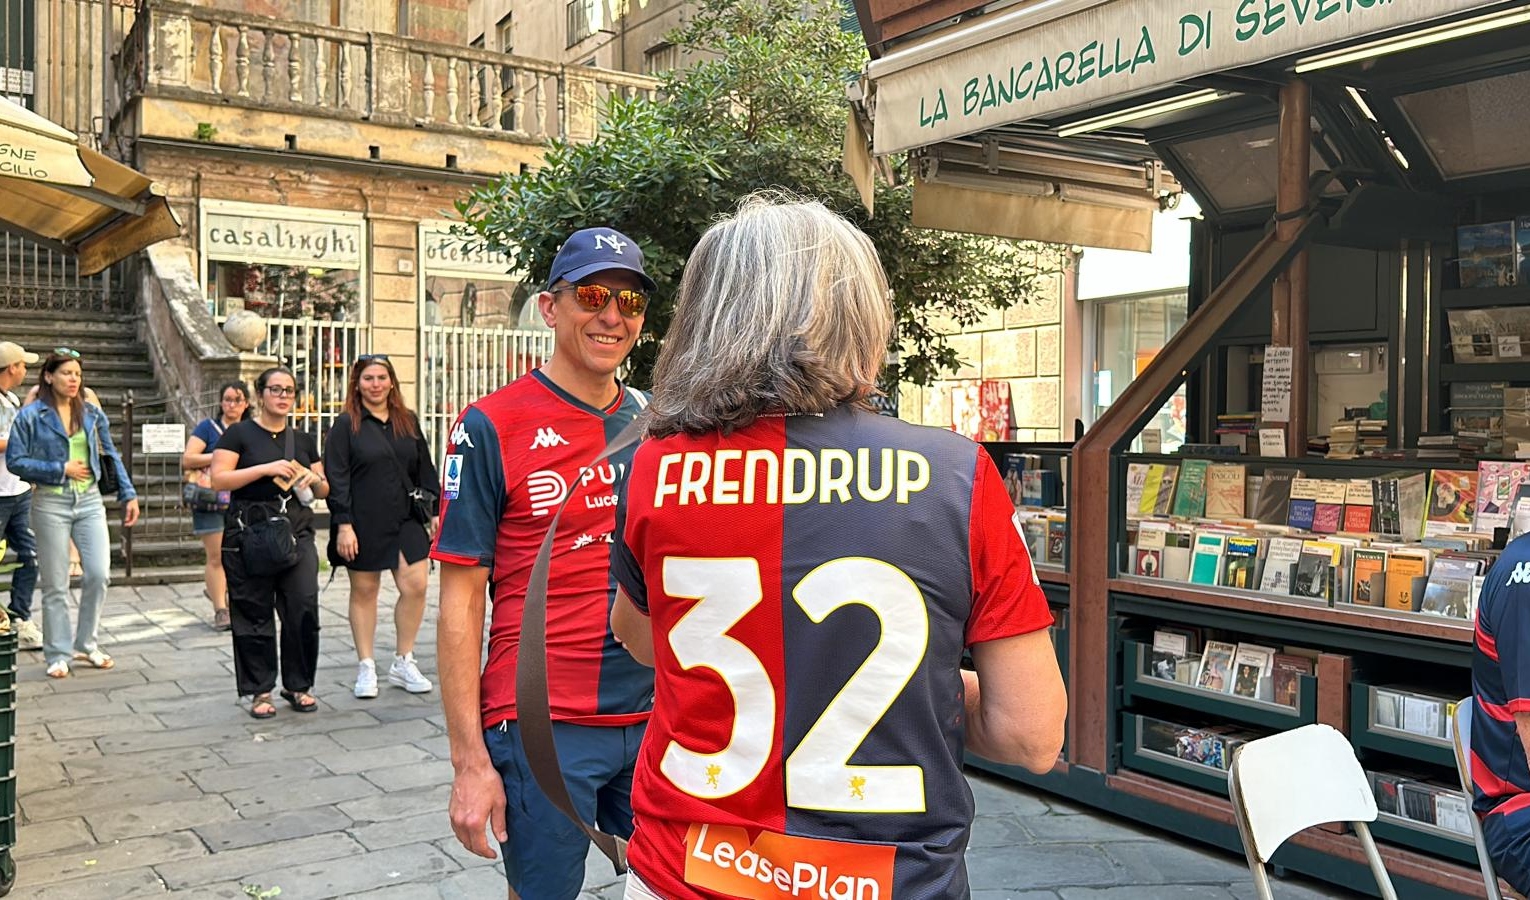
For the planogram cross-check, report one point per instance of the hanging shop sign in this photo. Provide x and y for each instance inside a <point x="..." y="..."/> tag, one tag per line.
<point x="961" y="84"/>
<point x="281" y="235"/>
<point x="448" y="253"/>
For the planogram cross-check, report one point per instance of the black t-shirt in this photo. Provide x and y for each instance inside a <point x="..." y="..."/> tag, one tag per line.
<point x="257" y="446"/>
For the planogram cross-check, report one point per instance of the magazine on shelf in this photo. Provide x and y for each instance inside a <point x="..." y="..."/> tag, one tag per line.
<point x="1314" y="576"/>
<point x="1225" y="490"/>
<point x="1497" y="484"/>
<point x="1485" y="255"/>
<point x="1386" y="708"/>
<point x="1216" y="666"/>
<point x="1407" y="575"/>
<point x="1452" y="501"/>
<point x="1169" y="648"/>
<point x="1452" y="812"/>
<point x="1423" y="715"/>
<point x="1328" y="508"/>
<point x="1287" y="669"/>
<point x="1206" y="562"/>
<point x="1368" y="583"/>
<point x="1359" y="506"/>
<point x="1252" y="664"/>
<point x="1240" y="562"/>
<point x="1190" y="491"/>
<point x="1273" y="505"/>
<point x="1303" y="504"/>
<point x="1449" y="589"/>
<point x="1280" y="559"/>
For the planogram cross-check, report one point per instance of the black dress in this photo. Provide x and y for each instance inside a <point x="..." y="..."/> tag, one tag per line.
<point x="367" y="492"/>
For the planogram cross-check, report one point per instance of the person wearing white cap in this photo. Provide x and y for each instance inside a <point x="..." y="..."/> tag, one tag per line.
<point x="16" y="500"/>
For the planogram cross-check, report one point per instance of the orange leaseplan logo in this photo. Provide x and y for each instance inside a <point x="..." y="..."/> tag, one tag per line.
<point x="781" y="867"/>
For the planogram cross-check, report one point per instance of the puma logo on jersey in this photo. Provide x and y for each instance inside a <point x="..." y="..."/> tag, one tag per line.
<point x="1520" y="575"/>
<point x="460" y="436"/>
<point x="546" y="437"/>
<point x="545" y="489"/>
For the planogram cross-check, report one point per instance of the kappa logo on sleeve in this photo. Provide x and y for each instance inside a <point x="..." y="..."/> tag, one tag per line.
<point x="1520" y="575"/>
<point x="460" y="437"/>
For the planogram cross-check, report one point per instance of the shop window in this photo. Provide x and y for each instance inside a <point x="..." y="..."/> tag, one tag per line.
<point x="1128" y="333"/>
<point x="1475" y="128"/>
<point x="18" y="52"/>
<point x="583" y="20"/>
<point x="284" y="292"/>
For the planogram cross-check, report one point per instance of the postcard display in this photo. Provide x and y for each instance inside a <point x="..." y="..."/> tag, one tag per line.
<point x="1259" y="586"/>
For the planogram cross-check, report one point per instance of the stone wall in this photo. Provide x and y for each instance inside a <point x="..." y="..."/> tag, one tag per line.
<point x="1023" y="345"/>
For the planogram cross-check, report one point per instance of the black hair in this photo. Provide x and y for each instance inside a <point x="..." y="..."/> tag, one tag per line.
<point x="244" y="391"/>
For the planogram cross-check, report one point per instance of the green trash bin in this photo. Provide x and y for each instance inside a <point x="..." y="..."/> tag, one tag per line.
<point x="7" y="759"/>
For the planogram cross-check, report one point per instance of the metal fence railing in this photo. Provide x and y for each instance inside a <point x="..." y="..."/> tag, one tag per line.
<point x="459" y="365"/>
<point x="163" y="522"/>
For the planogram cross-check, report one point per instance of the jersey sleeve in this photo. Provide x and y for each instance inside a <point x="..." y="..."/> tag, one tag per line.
<point x="1511" y="636"/>
<point x="624" y="564"/>
<point x="1007" y="598"/>
<point x="207" y="432"/>
<point x="472" y="493"/>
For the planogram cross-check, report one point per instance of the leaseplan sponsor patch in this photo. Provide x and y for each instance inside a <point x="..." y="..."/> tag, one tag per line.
<point x="781" y="867"/>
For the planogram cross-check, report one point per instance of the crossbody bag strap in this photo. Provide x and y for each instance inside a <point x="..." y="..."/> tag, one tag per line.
<point x="532" y="708"/>
<point x="397" y="463"/>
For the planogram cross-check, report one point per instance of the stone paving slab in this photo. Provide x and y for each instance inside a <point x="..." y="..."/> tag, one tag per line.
<point x="151" y="780"/>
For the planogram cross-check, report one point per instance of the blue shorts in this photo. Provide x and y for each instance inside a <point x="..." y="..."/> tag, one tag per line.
<point x="544" y="858"/>
<point x="1507" y="836"/>
<point x="206" y="522"/>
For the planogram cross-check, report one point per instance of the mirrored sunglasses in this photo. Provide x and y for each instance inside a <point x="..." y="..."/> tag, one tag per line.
<point x="594" y="297"/>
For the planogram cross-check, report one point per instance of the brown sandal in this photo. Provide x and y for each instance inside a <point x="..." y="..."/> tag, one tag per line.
<point x="302" y="701"/>
<point x="259" y="701"/>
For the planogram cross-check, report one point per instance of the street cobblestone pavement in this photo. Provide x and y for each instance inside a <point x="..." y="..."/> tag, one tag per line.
<point x="150" y="780"/>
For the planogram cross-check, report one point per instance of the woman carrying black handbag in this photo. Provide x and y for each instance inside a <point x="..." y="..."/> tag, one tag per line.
<point x="273" y="472"/>
<point x="382" y="508"/>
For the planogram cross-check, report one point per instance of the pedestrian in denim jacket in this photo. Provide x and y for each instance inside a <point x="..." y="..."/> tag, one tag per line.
<point x="59" y="443"/>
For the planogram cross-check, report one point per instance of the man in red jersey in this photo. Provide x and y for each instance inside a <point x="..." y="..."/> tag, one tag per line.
<point x="514" y="456"/>
<point x="805" y="575"/>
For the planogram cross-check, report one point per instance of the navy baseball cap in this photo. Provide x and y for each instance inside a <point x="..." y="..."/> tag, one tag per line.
<point x="594" y="250"/>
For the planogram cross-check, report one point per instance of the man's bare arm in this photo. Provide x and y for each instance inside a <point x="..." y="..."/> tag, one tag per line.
<point x="1019" y="719"/>
<point x="478" y="793"/>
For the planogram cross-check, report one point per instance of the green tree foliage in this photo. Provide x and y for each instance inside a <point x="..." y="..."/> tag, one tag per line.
<point x="760" y="105"/>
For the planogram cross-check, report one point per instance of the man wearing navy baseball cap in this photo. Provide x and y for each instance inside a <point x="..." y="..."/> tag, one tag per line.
<point x="513" y="457"/>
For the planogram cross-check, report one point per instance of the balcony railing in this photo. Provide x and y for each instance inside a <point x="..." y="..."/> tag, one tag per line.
<point x="181" y="51"/>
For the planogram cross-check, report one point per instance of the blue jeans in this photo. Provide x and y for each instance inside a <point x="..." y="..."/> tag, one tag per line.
<point x="56" y="518"/>
<point x="544" y="858"/>
<point x="16" y="528"/>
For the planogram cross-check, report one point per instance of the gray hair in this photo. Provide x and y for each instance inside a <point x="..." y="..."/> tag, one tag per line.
<point x="783" y="308"/>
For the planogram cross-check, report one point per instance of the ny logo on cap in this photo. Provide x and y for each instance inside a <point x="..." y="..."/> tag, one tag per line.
<point x="610" y="240"/>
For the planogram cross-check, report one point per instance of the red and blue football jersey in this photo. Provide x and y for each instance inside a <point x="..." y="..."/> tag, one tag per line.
<point x="1501" y="684"/>
<point x="812" y="582"/>
<point x="512" y="458"/>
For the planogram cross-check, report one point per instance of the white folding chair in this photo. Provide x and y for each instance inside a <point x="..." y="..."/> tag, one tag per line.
<point x="1461" y="736"/>
<point x="1289" y="782"/>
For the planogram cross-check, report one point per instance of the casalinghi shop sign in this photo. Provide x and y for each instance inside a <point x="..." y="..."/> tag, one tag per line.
<point x="1112" y="50"/>
<point x="329" y="245"/>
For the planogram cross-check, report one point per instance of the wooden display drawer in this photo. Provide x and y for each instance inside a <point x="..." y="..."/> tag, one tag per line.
<point x="1139" y="684"/>
<point x="1141" y="752"/>
<point x="1373" y="728"/>
<point x="1406" y="832"/>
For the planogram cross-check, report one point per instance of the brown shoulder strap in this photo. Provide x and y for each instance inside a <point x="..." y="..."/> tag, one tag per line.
<point x="532" y="710"/>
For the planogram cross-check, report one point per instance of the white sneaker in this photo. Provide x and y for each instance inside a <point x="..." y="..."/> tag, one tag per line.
<point x="405" y="674"/>
<point x="28" y="635"/>
<point x="366" y="680"/>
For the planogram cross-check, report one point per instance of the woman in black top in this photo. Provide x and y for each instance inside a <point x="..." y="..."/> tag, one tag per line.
<point x="252" y="462"/>
<point x="375" y="456"/>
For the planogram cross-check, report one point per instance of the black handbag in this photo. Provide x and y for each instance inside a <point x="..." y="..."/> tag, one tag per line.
<point x="267" y="541"/>
<point x="108" y="483"/>
<point x="422" y="503"/>
<point x="201" y="497"/>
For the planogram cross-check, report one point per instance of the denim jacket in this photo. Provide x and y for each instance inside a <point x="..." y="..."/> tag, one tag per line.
<point x="39" y="448"/>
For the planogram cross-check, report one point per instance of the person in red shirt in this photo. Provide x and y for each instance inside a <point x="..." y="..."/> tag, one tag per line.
<point x="513" y="457"/>
<point x="805" y="576"/>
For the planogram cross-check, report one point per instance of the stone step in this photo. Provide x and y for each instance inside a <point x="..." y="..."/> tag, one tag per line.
<point x="142" y="576"/>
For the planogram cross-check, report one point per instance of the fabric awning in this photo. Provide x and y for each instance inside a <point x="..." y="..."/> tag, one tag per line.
<point x="1058" y="58"/>
<point x="74" y="199"/>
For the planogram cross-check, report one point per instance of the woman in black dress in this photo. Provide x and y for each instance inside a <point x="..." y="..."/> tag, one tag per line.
<point x="273" y="472"/>
<point x="375" y="455"/>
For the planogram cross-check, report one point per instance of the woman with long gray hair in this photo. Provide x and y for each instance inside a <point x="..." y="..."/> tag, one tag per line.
<point x="805" y="574"/>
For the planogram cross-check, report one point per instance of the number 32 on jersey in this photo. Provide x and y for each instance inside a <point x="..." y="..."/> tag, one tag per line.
<point x="818" y="774"/>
